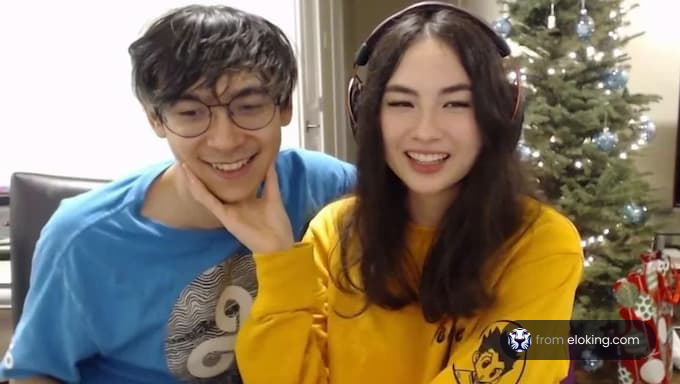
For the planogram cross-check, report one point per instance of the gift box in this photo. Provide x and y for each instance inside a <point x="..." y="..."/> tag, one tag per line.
<point x="648" y="294"/>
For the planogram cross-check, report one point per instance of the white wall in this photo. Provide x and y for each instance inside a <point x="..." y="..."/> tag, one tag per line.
<point x="67" y="104"/>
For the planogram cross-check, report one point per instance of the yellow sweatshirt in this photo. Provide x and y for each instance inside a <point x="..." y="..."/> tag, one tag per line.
<point x="301" y="331"/>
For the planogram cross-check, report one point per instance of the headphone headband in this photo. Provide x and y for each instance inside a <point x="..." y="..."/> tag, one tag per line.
<point x="364" y="52"/>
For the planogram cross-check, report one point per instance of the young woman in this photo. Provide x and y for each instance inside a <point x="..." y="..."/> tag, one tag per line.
<point x="424" y="273"/>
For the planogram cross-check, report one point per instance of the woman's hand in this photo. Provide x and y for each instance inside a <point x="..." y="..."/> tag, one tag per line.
<point x="261" y="224"/>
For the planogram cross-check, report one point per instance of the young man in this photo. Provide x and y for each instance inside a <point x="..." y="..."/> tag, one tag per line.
<point x="137" y="282"/>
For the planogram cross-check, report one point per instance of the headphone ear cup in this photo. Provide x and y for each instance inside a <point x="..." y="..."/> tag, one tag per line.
<point x="517" y="117"/>
<point x="353" y="93"/>
<point x="517" y="124"/>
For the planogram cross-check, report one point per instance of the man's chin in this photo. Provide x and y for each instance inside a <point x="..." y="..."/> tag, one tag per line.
<point x="235" y="191"/>
<point x="234" y="196"/>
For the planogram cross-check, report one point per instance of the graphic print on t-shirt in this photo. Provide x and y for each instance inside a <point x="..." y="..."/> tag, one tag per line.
<point x="202" y="328"/>
<point x="490" y="363"/>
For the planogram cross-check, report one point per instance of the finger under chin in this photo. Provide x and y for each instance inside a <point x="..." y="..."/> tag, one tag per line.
<point x="199" y="191"/>
<point x="271" y="183"/>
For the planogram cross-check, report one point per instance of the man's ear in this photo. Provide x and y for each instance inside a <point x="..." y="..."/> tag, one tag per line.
<point x="155" y="121"/>
<point x="286" y="114"/>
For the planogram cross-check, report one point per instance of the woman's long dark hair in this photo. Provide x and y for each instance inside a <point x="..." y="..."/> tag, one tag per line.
<point x="488" y="210"/>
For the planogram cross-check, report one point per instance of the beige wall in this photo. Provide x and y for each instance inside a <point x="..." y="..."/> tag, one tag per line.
<point x="362" y="16"/>
<point x="655" y="61"/>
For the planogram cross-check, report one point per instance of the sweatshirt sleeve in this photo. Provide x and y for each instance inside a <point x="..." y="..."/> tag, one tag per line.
<point x="535" y="291"/>
<point x="283" y="340"/>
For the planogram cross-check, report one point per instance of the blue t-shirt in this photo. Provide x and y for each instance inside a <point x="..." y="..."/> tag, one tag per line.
<point x="116" y="297"/>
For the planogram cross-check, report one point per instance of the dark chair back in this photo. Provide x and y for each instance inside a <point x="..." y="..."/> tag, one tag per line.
<point x="33" y="200"/>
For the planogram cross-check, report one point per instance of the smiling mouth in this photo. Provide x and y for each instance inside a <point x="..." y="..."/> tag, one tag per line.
<point x="232" y="166"/>
<point x="427" y="158"/>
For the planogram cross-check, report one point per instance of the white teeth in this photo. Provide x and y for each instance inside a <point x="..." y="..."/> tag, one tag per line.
<point x="427" y="157"/>
<point x="230" y="166"/>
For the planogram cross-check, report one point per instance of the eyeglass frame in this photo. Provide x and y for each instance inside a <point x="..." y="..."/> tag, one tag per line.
<point x="159" y="112"/>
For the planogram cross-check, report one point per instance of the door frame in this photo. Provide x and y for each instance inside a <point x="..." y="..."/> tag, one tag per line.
<point x="322" y="118"/>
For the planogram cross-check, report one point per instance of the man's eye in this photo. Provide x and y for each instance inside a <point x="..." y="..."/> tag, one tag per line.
<point x="246" y="107"/>
<point x="188" y="110"/>
<point x="188" y="113"/>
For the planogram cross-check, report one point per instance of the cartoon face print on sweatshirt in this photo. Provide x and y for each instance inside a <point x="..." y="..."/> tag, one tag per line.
<point x="490" y="363"/>
<point x="202" y="328"/>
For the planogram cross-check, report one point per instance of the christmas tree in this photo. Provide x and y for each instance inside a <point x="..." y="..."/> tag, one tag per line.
<point x="583" y="129"/>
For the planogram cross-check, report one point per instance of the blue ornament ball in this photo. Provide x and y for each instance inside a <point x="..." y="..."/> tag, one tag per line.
<point x="524" y="151"/>
<point x="647" y="130"/>
<point x="502" y="27"/>
<point x="633" y="213"/>
<point x="591" y="362"/>
<point x="606" y="140"/>
<point x="616" y="79"/>
<point x="585" y="26"/>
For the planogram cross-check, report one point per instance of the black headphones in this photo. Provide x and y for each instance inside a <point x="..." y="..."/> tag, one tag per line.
<point x="366" y="48"/>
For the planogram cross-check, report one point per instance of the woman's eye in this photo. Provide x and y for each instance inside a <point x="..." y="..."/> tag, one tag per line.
<point x="403" y="104"/>
<point x="457" y="104"/>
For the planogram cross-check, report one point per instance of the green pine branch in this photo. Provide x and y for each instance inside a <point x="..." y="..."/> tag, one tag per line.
<point x="567" y="82"/>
